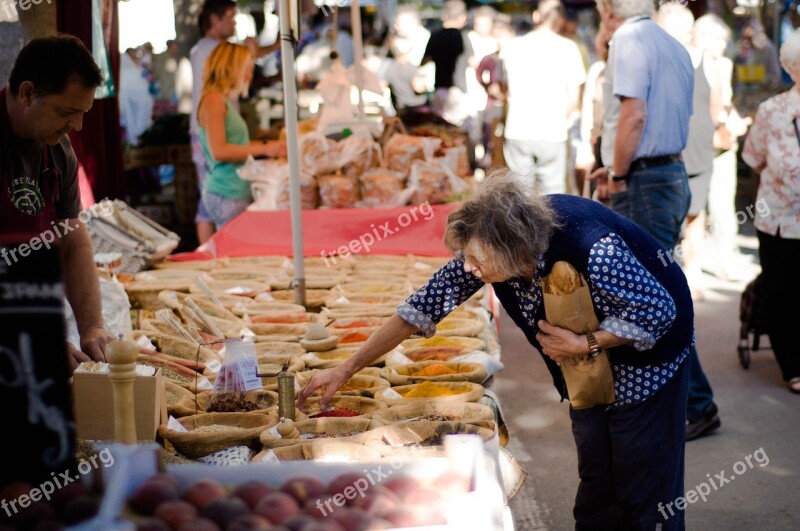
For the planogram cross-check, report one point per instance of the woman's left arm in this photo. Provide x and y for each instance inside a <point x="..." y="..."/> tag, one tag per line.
<point x="639" y="309"/>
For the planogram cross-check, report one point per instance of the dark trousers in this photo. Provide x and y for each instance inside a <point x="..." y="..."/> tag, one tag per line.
<point x="780" y="263"/>
<point x="631" y="461"/>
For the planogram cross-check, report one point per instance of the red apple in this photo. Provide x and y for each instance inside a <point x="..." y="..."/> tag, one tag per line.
<point x="200" y="524"/>
<point x="223" y="511"/>
<point x="403" y="486"/>
<point x="250" y="522"/>
<point x="152" y="524"/>
<point x="352" y="519"/>
<point x="277" y="506"/>
<point x="378" y="501"/>
<point x="251" y="492"/>
<point x="202" y="492"/>
<point x="151" y="494"/>
<point x="303" y="488"/>
<point x="176" y="513"/>
<point x="350" y="485"/>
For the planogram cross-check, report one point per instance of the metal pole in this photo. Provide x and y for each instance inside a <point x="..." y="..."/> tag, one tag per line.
<point x="292" y="146"/>
<point x="358" y="56"/>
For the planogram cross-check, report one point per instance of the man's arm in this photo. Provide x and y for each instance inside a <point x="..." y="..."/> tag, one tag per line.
<point x="83" y="290"/>
<point x="632" y="116"/>
<point x="261" y="51"/>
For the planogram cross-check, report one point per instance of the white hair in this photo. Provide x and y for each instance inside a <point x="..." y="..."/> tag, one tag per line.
<point x="677" y="20"/>
<point x="790" y="50"/>
<point x="624" y="9"/>
<point x="710" y="23"/>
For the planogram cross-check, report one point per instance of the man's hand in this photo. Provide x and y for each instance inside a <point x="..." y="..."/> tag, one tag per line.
<point x="560" y="344"/>
<point x="606" y="186"/>
<point x="75" y="357"/>
<point x="329" y="381"/>
<point x="94" y="341"/>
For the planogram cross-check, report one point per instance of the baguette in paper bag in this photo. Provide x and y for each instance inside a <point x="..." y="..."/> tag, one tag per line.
<point x="568" y="304"/>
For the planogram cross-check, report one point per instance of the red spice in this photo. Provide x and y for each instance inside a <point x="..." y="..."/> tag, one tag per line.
<point x="338" y="412"/>
<point x="353" y="337"/>
<point x="355" y="324"/>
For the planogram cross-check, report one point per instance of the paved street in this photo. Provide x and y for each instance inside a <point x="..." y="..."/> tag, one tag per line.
<point x="760" y="417"/>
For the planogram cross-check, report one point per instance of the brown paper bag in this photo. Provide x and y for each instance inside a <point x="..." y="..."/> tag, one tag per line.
<point x="589" y="380"/>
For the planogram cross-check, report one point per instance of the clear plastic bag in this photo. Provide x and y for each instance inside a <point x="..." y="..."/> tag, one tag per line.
<point x="238" y="374"/>
<point x="434" y="182"/>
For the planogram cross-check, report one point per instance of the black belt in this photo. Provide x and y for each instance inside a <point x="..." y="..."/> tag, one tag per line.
<point x="643" y="163"/>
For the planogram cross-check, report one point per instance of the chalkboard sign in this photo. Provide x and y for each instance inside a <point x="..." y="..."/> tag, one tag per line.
<point x="35" y="395"/>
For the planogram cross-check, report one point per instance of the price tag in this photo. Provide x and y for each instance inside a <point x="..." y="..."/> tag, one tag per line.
<point x="174" y="425"/>
<point x="248" y="368"/>
<point x="214" y="366"/>
<point x="145" y="342"/>
<point x="270" y="457"/>
<point x="391" y="393"/>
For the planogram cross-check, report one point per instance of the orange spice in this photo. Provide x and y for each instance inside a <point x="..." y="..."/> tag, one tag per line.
<point x="437" y="369"/>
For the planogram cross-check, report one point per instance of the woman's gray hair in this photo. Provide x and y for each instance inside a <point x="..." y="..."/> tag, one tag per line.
<point x="513" y="225"/>
<point x="624" y="9"/>
<point x="790" y="50"/>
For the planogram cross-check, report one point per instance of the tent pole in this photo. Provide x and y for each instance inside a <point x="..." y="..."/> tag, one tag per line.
<point x="292" y="146"/>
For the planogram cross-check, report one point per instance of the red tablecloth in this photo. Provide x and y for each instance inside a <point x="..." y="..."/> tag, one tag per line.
<point x="387" y="231"/>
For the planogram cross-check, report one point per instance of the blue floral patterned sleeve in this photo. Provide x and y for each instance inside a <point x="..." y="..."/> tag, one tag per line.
<point x="448" y="288"/>
<point x="637" y="305"/>
<point x="638" y="308"/>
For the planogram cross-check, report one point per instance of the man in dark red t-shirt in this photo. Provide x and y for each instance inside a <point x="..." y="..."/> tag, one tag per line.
<point x="51" y="87"/>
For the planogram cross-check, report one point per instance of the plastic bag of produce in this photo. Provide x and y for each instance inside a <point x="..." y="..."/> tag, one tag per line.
<point x="239" y="372"/>
<point x="358" y="154"/>
<point x="402" y="150"/>
<point x="338" y="191"/>
<point x="319" y="155"/>
<point x="382" y="187"/>
<point x="434" y="182"/>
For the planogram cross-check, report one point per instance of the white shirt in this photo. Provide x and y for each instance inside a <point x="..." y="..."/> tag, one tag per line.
<point x="481" y="47"/>
<point x="541" y="68"/>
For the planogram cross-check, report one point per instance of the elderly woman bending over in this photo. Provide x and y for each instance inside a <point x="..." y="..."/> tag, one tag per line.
<point x="631" y="453"/>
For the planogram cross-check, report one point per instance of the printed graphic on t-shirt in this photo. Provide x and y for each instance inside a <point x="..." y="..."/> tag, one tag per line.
<point x="26" y="195"/>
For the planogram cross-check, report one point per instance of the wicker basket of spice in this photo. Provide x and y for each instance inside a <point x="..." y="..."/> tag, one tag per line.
<point x="422" y="438"/>
<point x="434" y="391"/>
<point x="344" y="406"/>
<point x="332" y="451"/>
<point x="464" y="412"/>
<point x="317" y="430"/>
<point x="435" y="371"/>
<point x="210" y="432"/>
<point x="357" y="385"/>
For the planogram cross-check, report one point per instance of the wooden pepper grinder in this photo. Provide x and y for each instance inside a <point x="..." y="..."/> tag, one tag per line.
<point x="121" y="356"/>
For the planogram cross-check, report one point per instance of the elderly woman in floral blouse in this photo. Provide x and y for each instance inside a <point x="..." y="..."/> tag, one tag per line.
<point x="630" y="453"/>
<point x="772" y="149"/>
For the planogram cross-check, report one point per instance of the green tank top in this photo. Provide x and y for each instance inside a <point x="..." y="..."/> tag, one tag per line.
<point x="222" y="178"/>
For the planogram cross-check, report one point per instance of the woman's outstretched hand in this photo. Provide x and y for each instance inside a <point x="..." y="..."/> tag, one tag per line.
<point x="329" y="381"/>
